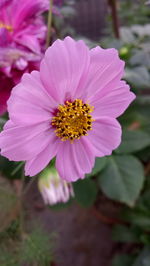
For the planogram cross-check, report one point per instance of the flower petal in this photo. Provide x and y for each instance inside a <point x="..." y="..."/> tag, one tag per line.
<point x="37" y="164"/>
<point x="24" y="10"/>
<point x="4" y="37"/>
<point x="64" y="68"/>
<point x="29" y="103"/>
<point x="114" y="102"/>
<point x="105" y="136"/>
<point x="24" y="143"/>
<point x="4" y="3"/>
<point x="106" y="70"/>
<point x="28" y="40"/>
<point x="74" y="159"/>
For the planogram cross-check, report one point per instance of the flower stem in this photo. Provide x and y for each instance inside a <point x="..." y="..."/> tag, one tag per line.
<point x="21" y="205"/>
<point x="18" y="167"/>
<point x="49" y="24"/>
<point x="115" y="19"/>
<point x="23" y="191"/>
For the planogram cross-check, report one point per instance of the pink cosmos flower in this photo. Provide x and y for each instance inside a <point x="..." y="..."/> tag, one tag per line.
<point x="13" y="63"/>
<point x="22" y="37"/>
<point x="53" y="189"/>
<point x="68" y="109"/>
<point x="21" y="23"/>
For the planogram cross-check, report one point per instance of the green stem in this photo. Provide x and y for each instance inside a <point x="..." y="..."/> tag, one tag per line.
<point x="29" y="185"/>
<point x="21" y="205"/>
<point x="115" y="19"/>
<point x="49" y="24"/>
<point x="22" y="193"/>
<point x="17" y="168"/>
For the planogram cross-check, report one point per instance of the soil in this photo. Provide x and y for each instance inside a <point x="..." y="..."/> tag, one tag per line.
<point x="83" y="240"/>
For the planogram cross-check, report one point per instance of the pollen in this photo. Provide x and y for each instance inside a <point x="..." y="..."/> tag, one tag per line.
<point x="73" y="120"/>
<point x="5" y="26"/>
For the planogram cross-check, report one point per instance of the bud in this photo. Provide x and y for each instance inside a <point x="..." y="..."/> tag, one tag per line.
<point x="54" y="189"/>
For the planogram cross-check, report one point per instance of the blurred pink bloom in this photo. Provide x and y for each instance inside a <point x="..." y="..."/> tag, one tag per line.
<point x="21" y="23"/>
<point x="53" y="189"/>
<point x="4" y="3"/>
<point x="22" y="37"/>
<point x="21" y="61"/>
<point x="68" y="109"/>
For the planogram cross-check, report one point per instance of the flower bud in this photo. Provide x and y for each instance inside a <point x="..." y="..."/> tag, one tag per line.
<point x="54" y="189"/>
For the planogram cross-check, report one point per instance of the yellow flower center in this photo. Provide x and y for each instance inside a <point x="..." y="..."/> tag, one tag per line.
<point x="73" y="120"/>
<point x="7" y="27"/>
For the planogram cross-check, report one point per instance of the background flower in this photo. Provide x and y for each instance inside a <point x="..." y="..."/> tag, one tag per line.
<point x="22" y="38"/>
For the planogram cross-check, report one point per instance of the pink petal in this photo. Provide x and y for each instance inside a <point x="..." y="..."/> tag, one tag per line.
<point x="37" y="164"/>
<point x="29" y="102"/>
<point x="64" y="68"/>
<point x="29" y="41"/>
<point x="24" y="143"/>
<point x="114" y="102"/>
<point x="4" y="3"/>
<point x="4" y="37"/>
<point x="24" y="10"/>
<point x="8" y="124"/>
<point x="74" y="159"/>
<point x="106" y="70"/>
<point x="105" y="136"/>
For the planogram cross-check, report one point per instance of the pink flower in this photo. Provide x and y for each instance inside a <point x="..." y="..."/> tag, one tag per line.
<point x="53" y="189"/>
<point x="68" y="109"/>
<point x="4" y="3"/>
<point x="22" y="37"/>
<point x="13" y="63"/>
<point x="21" y="24"/>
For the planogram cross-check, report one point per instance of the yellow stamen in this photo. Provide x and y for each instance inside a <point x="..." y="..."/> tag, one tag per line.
<point x="7" y="27"/>
<point x="73" y="120"/>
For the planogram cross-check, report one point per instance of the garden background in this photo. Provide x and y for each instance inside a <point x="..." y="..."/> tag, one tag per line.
<point x="107" y="221"/>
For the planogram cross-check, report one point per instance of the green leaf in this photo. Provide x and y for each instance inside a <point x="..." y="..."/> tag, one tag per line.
<point x="138" y="29"/>
<point x="133" y="141"/>
<point x="124" y="234"/>
<point x="138" y="77"/>
<point x="137" y="218"/>
<point x="140" y="57"/>
<point x="126" y="35"/>
<point x="9" y="204"/>
<point x="10" y="169"/>
<point x="144" y="258"/>
<point x="8" y="258"/>
<point x="140" y="215"/>
<point x="37" y="248"/>
<point x="85" y="192"/>
<point x="122" y="260"/>
<point x="122" y="179"/>
<point x="2" y="122"/>
<point x="100" y="163"/>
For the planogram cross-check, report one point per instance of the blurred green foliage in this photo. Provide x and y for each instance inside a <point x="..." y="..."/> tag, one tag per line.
<point x="133" y="12"/>
<point x="34" y="248"/>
